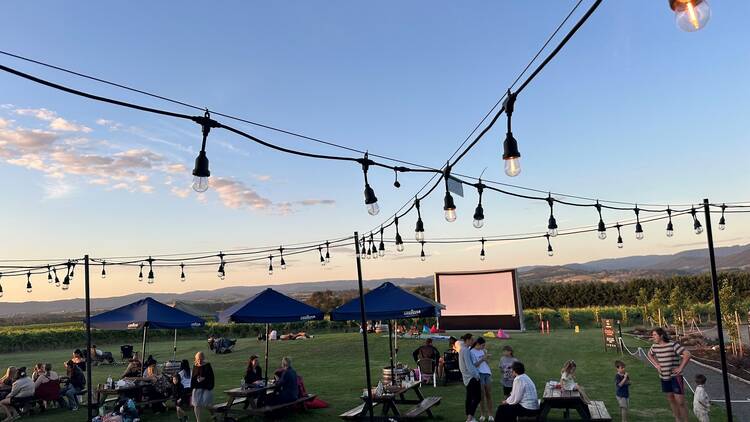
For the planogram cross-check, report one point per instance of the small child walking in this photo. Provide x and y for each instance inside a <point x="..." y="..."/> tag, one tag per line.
<point x="506" y="365"/>
<point x="701" y="403"/>
<point x="622" y="390"/>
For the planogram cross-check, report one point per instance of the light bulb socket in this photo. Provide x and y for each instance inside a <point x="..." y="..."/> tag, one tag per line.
<point x="370" y="197"/>
<point x="201" y="165"/>
<point x="479" y="213"/>
<point x="681" y="5"/>
<point x="552" y="223"/>
<point x="420" y="226"/>
<point x="510" y="147"/>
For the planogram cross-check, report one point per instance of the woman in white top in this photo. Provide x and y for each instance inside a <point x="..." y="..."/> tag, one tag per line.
<point x="522" y="401"/>
<point x="185" y="373"/>
<point x="480" y="357"/>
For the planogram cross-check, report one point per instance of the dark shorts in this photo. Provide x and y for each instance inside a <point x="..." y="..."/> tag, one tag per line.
<point x="675" y="385"/>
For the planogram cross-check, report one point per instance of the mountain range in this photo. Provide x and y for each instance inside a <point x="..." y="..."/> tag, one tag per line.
<point x="605" y="270"/>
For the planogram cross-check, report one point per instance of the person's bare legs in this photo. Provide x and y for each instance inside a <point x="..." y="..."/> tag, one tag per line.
<point x="673" y="407"/>
<point x="197" y="410"/>
<point x="623" y="414"/>
<point x="681" y="414"/>
<point x="487" y="392"/>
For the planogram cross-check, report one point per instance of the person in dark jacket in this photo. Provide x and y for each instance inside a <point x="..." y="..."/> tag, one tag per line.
<point x="76" y="384"/>
<point x="202" y="383"/>
<point x="288" y="390"/>
<point x="253" y="373"/>
<point x="181" y="396"/>
<point x="426" y="356"/>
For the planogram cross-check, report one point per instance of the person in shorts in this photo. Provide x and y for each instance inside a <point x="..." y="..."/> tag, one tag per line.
<point x="622" y="390"/>
<point x="480" y="358"/>
<point x="669" y="358"/>
<point x="506" y="365"/>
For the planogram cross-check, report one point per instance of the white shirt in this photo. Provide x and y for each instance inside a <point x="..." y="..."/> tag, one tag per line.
<point x="273" y="335"/>
<point x="701" y="403"/>
<point x="185" y="378"/>
<point x="524" y="393"/>
<point x="476" y="356"/>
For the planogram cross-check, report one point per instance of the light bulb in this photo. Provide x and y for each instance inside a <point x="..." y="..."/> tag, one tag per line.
<point x="182" y="277"/>
<point x="150" y="277"/>
<point x="28" y="287"/>
<point x="270" y="270"/>
<point x="670" y="229"/>
<point x="698" y="229"/>
<point x="381" y="252"/>
<point x="513" y="166"/>
<point x="104" y="273"/>
<point x="328" y="259"/>
<point x="400" y="247"/>
<point x="419" y="236"/>
<point x="283" y="264"/>
<point x="66" y="285"/>
<point x="550" y="252"/>
<point x="481" y="255"/>
<point x="373" y="209"/>
<point x="619" y="242"/>
<point x="602" y="235"/>
<point x="422" y="257"/>
<point x="639" y="236"/>
<point x="478" y="223"/>
<point x="691" y="15"/>
<point x="552" y="232"/>
<point x="450" y="215"/>
<point x="200" y="184"/>
<point x="722" y="223"/>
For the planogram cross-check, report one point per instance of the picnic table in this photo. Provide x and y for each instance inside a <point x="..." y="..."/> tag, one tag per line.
<point x="135" y="391"/>
<point x="558" y="398"/>
<point x="392" y="397"/>
<point x="241" y="401"/>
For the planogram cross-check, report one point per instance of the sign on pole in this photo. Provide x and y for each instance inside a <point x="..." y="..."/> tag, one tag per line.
<point x="608" y="332"/>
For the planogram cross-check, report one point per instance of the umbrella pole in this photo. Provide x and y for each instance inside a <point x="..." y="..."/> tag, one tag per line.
<point x="174" y="350"/>
<point x="89" y="397"/>
<point x="143" y="346"/>
<point x="390" y="346"/>
<point x="266" y="354"/>
<point x="395" y="342"/>
<point x="363" y="320"/>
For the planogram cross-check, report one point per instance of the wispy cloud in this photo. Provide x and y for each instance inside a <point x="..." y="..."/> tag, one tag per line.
<point x="55" y="122"/>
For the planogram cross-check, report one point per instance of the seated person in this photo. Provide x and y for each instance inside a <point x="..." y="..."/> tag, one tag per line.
<point x="273" y="335"/>
<point x="99" y="355"/>
<point x="7" y="381"/>
<point x="22" y="389"/>
<point x="211" y="342"/>
<point x="79" y="359"/>
<point x="568" y="380"/>
<point x="133" y="369"/>
<point x="426" y="356"/>
<point x="46" y="383"/>
<point x="253" y="372"/>
<point x="160" y="386"/>
<point x="181" y="396"/>
<point x="523" y="400"/>
<point x="76" y="384"/>
<point x="288" y="389"/>
<point x="149" y="361"/>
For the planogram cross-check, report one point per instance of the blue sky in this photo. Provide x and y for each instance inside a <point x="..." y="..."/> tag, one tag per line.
<point x="633" y="109"/>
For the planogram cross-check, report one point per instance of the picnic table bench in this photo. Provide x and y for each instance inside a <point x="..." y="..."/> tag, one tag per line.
<point x="278" y="408"/>
<point x="389" y="401"/>
<point x="557" y="398"/>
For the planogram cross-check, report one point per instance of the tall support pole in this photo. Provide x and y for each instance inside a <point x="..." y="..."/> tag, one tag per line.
<point x="363" y="321"/>
<point x="267" y="339"/>
<point x="390" y="346"/>
<point x="90" y="389"/>
<point x="143" y="345"/>
<point x="174" y="346"/>
<point x="717" y="307"/>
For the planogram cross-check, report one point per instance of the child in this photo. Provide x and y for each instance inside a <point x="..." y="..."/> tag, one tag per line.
<point x="622" y="390"/>
<point x="568" y="380"/>
<point x="701" y="403"/>
<point x="181" y="396"/>
<point x="480" y="357"/>
<point x="506" y="365"/>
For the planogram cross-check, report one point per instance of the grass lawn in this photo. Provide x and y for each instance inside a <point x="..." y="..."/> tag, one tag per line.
<point x="332" y="366"/>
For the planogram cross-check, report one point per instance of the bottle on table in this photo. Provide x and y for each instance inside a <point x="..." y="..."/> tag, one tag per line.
<point x="110" y="383"/>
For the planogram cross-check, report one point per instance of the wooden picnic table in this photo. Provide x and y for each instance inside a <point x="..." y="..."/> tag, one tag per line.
<point x="396" y="395"/>
<point x="247" y="397"/>
<point x="557" y="398"/>
<point x="134" y="391"/>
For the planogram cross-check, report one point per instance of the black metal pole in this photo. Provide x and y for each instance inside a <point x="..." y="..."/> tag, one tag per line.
<point x="267" y="326"/>
<point x="90" y="389"/>
<point x="717" y="307"/>
<point x="620" y="343"/>
<point x="363" y="321"/>
<point x="390" y="346"/>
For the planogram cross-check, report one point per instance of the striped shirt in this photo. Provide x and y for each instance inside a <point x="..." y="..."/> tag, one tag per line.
<point x="668" y="356"/>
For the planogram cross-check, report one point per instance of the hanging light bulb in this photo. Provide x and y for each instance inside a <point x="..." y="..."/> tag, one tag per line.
<point x="601" y="229"/>
<point x="638" y="227"/>
<point x="140" y="272"/>
<point x="479" y="211"/>
<point x="381" y="246"/>
<point x="697" y="227"/>
<point x="481" y="252"/>
<point x="670" y="226"/>
<point x="270" y="264"/>
<point x="511" y="155"/>
<point x="201" y="172"/>
<point x="722" y="220"/>
<point x="221" y="272"/>
<point x="182" y="272"/>
<point x="57" y="280"/>
<point x="104" y="271"/>
<point x="370" y="199"/>
<point x="691" y="15"/>
<point x="619" y="236"/>
<point x="72" y="270"/>
<point x="422" y="256"/>
<point x="399" y="240"/>
<point x="66" y="280"/>
<point x="552" y="223"/>
<point x="419" y="229"/>
<point x="28" y="282"/>
<point x="396" y="183"/>
<point x="328" y="253"/>
<point x="49" y="274"/>
<point x="369" y="248"/>
<point x="150" y="270"/>
<point x="362" y="249"/>
<point x="448" y="205"/>
<point x="281" y="254"/>
<point x="550" y="252"/>
<point x="1" y="286"/>
<point x="320" y="252"/>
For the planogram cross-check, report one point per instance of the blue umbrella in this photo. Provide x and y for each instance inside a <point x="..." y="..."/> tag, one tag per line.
<point x="269" y="306"/>
<point x="146" y="313"/>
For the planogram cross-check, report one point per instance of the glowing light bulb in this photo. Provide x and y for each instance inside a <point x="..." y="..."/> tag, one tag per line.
<point x="513" y="166"/>
<point x="423" y="257"/>
<point x="419" y="236"/>
<point x="200" y="184"/>
<point x="450" y="215"/>
<point x="691" y="15"/>
<point x="182" y="277"/>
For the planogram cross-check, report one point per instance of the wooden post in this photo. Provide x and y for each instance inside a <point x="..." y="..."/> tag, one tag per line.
<point x="739" y="333"/>
<point x="660" y="320"/>
<point x="682" y="321"/>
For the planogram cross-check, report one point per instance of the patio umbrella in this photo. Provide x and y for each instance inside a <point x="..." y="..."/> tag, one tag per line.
<point x="267" y="307"/>
<point x="389" y="302"/>
<point x="146" y="313"/>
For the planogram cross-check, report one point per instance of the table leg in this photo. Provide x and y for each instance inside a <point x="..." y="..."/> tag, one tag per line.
<point x="544" y="411"/>
<point x="395" y="409"/>
<point x="583" y="411"/>
<point x="419" y="394"/>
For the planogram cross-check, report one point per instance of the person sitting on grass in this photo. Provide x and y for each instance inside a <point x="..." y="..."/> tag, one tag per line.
<point x="253" y="373"/>
<point x="522" y="401"/>
<point x="76" y="384"/>
<point x="99" y="355"/>
<point x="568" y="380"/>
<point x="181" y="397"/>
<point x="22" y="388"/>
<point x="46" y="383"/>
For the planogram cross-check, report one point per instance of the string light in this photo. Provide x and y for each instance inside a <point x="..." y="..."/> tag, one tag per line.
<point x="619" y="236"/>
<point x="722" y="220"/>
<point x="362" y="249"/>
<point x="481" y="252"/>
<point x="182" y="272"/>
<point x="104" y="271"/>
<point x="66" y="280"/>
<point x="150" y="270"/>
<point x="320" y="252"/>
<point x="57" y="280"/>
<point x="419" y="229"/>
<point x="381" y="247"/>
<point x="690" y="15"/>
<point x="552" y="223"/>
<point x="201" y="172"/>
<point x="281" y="255"/>
<point x="370" y="199"/>
<point x="670" y="226"/>
<point x="422" y="256"/>
<point x="328" y="253"/>
<point x="396" y="183"/>
<point x="140" y="272"/>
<point x="602" y="229"/>
<point x="270" y="264"/>
<point x="28" y="282"/>
<point x="369" y="247"/>
<point x="550" y="252"/>
<point x="221" y="273"/>
<point x="479" y="211"/>
<point x="373" y="249"/>
<point x="448" y="205"/>
<point x="49" y="275"/>
<point x="72" y="270"/>
<point x="697" y="227"/>
<point x="1" y="286"/>
<point x="399" y="240"/>
<point x="638" y="227"/>
<point x="511" y="155"/>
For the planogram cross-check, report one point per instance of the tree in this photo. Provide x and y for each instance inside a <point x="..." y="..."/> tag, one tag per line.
<point x="677" y="303"/>
<point x="425" y="291"/>
<point x="730" y="303"/>
<point x="656" y="305"/>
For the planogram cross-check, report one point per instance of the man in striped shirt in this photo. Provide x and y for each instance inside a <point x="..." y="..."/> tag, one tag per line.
<point x="670" y="358"/>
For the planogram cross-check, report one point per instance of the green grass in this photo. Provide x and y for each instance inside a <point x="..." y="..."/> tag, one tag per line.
<point x="332" y="366"/>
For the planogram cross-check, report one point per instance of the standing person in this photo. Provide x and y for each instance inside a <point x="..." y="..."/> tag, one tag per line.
<point x="253" y="373"/>
<point x="202" y="383"/>
<point x="522" y="401"/>
<point x="701" y="403"/>
<point x="471" y="377"/>
<point x="184" y="373"/>
<point x="670" y="358"/>
<point x="506" y="365"/>
<point x="76" y="384"/>
<point x="622" y="390"/>
<point x="22" y="388"/>
<point x="480" y="357"/>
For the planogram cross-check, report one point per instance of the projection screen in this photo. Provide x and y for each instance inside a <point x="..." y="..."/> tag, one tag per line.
<point x="482" y="300"/>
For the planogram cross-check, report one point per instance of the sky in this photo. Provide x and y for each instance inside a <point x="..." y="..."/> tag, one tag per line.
<point x="632" y="109"/>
